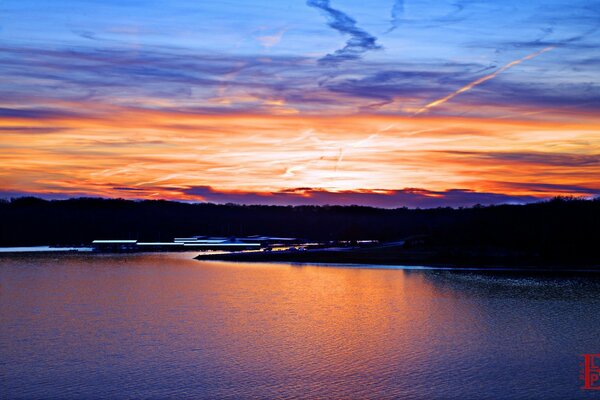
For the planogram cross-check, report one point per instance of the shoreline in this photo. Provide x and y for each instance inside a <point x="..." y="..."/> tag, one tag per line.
<point x="378" y="257"/>
<point x="44" y="250"/>
<point x="400" y="259"/>
<point x="420" y="268"/>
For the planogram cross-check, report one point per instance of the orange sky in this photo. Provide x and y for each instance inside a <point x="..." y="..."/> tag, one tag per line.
<point x="132" y="153"/>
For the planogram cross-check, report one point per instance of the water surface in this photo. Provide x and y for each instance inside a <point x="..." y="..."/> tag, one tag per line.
<point x="165" y="325"/>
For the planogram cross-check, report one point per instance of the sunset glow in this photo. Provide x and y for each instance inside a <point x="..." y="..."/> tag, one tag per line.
<point x="282" y="117"/>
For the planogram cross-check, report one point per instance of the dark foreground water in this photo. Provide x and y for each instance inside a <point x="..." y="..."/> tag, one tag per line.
<point x="167" y="326"/>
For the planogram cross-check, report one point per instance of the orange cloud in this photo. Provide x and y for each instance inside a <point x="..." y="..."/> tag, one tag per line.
<point x="141" y="153"/>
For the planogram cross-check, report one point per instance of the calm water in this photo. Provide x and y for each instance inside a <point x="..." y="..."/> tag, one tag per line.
<point x="164" y="325"/>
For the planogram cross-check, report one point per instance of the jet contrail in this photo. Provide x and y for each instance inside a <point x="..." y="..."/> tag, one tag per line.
<point x="360" y="41"/>
<point x="482" y="79"/>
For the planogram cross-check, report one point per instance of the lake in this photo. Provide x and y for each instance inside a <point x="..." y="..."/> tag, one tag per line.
<point x="165" y="325"/>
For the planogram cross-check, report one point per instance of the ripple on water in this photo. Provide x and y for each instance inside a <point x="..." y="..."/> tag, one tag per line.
<point x="164" y="325"/>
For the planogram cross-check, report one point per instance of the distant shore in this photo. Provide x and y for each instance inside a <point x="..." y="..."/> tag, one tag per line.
<point x="396" y="255"/>
<point x="384" y="255"/>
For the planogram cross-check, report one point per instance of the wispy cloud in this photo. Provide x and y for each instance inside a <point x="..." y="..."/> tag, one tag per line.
<point x="396" y="15"/>
<point x="359" y="42"/>
<point x="222" y="83"/>
<point x="541" y="158"/>
<point x="270" y="40"/>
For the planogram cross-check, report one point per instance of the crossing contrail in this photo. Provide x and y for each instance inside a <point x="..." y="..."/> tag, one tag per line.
<point x="482" y="80"/>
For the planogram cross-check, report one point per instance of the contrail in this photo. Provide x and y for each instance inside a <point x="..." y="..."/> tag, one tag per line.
<point x="396" y="14"/>
<point x="359" y="42"/>
<point x="482" y="80"/>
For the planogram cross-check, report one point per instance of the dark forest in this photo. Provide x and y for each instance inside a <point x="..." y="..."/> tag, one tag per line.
<point x="562" y="227"/>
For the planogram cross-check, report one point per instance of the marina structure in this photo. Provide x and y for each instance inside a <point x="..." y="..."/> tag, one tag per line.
<point x="194" y="243"/>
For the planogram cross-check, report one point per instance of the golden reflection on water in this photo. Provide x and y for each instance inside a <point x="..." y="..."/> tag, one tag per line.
<point x="336" y="321"/>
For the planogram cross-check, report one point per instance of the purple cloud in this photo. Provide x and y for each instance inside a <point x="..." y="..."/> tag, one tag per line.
<point x="408" y="197"/>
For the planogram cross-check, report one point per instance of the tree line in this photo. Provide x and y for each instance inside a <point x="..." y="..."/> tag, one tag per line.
<point x="565" y="227"/>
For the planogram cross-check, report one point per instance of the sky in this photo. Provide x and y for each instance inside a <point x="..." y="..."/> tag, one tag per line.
<point x="385" y="103"/>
